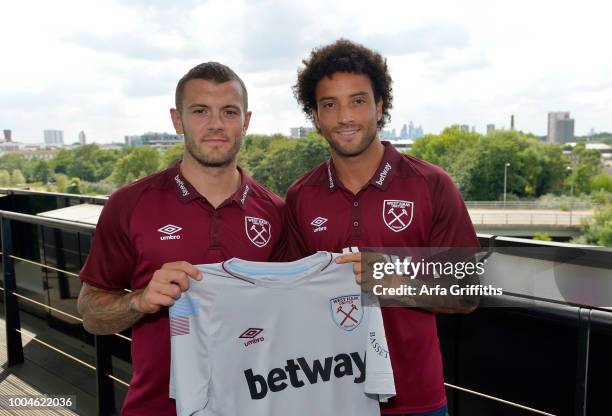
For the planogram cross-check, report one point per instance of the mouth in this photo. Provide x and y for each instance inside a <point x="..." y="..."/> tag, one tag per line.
<point x="347" y="132"/>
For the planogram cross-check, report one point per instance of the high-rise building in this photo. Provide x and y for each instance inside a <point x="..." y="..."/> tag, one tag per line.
<point x="54" y="137"/>
<point x="404" y="132"/>
<point x="299" y="132"/>
<point x="512" y="122"/>
<point x="82" y="137"/>
<point x="560" y="127"/>
<point x="8" y="135"/>
<point x="490" y="128"/>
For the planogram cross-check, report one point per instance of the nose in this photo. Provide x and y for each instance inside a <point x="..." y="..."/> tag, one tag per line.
<point x="216" y="121"/>
<point x="345" y="114"/>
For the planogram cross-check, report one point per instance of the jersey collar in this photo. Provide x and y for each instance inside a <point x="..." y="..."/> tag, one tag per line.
<point x="389" y="165"/>
<point x="187" y="193"/>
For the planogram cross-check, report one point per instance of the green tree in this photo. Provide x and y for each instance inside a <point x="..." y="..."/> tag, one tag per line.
<point x="277" y="161"/>
<point x="586" y="165"/>
<point x="41" y="172"/>
<point x="62" y="160"/>
<point x="601" y="182"/>
<point x="5" y="178"/>
<point x="138" y="162"/>
<point x="74" y="186"/>
<point x="13" y="161"/>
<point x="61" y="182"/>
<point x="17" y="178"/>
<point x="597" y="230"/>
<point x="173" y="154"/>
<point x="476" y="163"/>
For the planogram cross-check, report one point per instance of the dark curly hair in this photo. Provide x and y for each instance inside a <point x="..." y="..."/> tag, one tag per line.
<point x="344" y="56"/>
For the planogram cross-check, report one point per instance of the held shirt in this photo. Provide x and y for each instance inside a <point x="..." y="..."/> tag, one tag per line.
<point x="276" y="339"/>
<point x="160" y="219"/>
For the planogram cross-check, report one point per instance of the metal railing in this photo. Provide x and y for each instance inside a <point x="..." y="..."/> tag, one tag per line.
<point x="568" y="219"/>
<point x="577" y="205"/>
<point x="103" y="368"/>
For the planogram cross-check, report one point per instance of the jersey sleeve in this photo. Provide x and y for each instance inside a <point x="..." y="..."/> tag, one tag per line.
<point x="451" y="223"/>
<point x="379" y="373"/>
<point x="190" y="367"/>
<point x="112" y="258"/>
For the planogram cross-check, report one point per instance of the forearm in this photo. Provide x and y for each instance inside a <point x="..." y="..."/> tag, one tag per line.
<point x="106" y="312"/>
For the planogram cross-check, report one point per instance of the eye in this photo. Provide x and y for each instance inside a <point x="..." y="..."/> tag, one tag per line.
<point x="231" y="113"/>
<point x="199" y="111"/>
<point x="328" y="105"/>
<point x="360" y="100"/>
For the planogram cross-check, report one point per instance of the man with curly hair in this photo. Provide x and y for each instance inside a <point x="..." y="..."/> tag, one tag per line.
<point x="345" y="88"/>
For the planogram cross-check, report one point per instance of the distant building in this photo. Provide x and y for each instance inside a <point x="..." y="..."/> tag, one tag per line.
<point x="512" y="122"/>
<point x="299" y="132"/>
<point x="54" y="138"/>
<point x="463" y="127"/>
<point x="134" y="140"/>
<point x="387" y="134"/>
<point x="161" y="141"/>
<point x="82" y="137"/>
<point x="409" y="132"/>
<point x="10" y="146"/>
<point x="8" y="135"/>
<point x="490" y="128"/>
<point x="402" y="144"/>
<point x="31" y="152"/>
<point x="560" y="127"/>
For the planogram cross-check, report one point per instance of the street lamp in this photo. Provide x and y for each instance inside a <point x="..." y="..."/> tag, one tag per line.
<point x="505" y="181"/>
<point x="570" y="170"/>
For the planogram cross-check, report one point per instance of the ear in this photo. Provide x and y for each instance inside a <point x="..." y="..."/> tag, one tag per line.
<point x="379" y="112"/>
<point x="176" y="120"/>
<point x="247" y="120"/>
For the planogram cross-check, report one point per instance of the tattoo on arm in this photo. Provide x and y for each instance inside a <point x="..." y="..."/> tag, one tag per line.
<point x="105" y="312"/>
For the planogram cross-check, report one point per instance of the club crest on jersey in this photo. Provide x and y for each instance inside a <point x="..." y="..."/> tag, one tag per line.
<point x="397" y="214"/>
<point x="346" y="311"/>
<point x="258" y="230"/>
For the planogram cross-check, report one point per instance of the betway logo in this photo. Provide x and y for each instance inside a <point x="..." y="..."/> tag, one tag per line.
<point x="329" y="176"/>
<point x="181" y="185"/>
<point x="298" y="371"/>
<point x="244" y="194"/>
<point x="383" y="174"/>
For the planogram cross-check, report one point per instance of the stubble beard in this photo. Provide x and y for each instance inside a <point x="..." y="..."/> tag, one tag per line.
<point x="363" y="145"/>
<point x="209" y="161"/>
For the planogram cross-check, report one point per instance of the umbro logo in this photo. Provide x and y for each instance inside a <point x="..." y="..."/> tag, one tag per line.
<point x="317" y="223"/>
<point x="252" y="334"/>
<point x="170" y="230"/>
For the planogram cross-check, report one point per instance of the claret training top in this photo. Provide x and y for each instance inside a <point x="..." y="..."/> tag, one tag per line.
<point x="265" y="339"/>
<point x="407" y="203"/>
<point x="161" y="219"/>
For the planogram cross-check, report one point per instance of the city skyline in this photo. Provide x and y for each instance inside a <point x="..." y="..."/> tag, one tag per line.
<point x="110" y="68"/>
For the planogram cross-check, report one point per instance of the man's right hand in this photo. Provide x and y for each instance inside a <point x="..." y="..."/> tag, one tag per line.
<point x="165" y="287"/>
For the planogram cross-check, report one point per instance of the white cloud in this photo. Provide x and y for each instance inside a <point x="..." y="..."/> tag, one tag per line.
<point x="110" y="68"/>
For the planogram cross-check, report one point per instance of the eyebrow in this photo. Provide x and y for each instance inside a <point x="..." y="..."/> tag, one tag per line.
<point x="352" y="95"/>
<point x="195" y="105"/>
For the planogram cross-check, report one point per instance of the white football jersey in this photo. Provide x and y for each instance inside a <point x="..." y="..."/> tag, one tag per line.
<point x="265" y="339"/>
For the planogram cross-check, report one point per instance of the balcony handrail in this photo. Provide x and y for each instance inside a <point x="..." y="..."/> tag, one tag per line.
<point x="103" y="367"/>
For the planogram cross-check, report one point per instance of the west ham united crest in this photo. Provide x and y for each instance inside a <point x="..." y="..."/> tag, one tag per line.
<point x="397" y="214"/>
<point x="346" y="311"/>
<point x="258" y="230"/>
